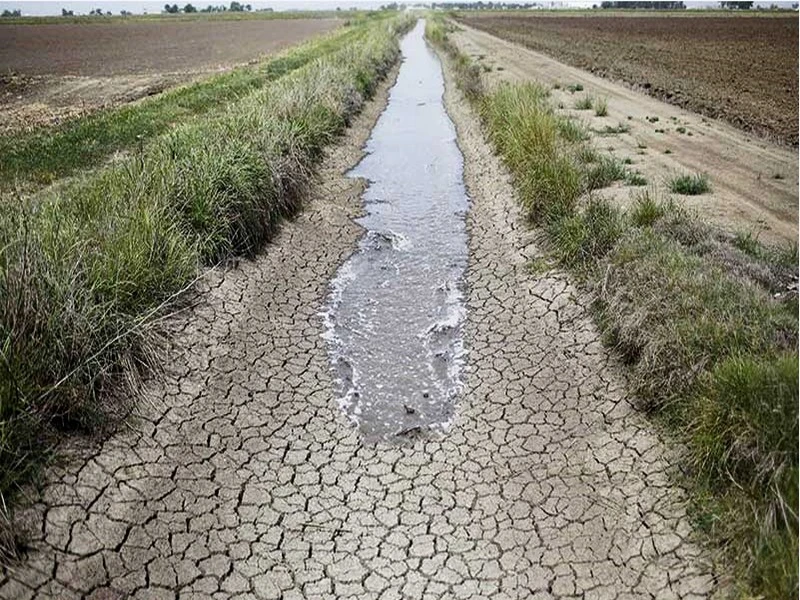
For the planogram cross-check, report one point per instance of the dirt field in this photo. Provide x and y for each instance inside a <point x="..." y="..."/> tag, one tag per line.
<point x="742" y="69"/>
<point x="50" y="72"/>
<point x="754" y="182"/>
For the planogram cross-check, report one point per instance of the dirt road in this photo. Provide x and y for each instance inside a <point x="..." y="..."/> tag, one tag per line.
<point x="241" y="477"/>
<point x="754" y="183"/>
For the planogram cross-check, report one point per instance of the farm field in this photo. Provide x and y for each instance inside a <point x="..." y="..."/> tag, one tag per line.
<point x="53" y="71"/>
<point x="754" y="182"/>
<point x="742" y="69"/>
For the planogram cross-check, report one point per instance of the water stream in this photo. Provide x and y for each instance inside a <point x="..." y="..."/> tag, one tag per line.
<point x="394" y="314"/>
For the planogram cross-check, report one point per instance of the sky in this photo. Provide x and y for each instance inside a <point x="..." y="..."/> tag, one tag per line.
<point x="49" y="7"/>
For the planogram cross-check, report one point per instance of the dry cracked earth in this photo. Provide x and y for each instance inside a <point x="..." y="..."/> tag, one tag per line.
<point x="239" y="476"/>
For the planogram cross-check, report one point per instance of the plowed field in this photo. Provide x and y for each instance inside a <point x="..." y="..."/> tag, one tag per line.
<point x="742" y="69"/>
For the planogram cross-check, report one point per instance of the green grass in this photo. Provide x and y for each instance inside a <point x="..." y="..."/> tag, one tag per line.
<point x="603" y="172"/>
<point x="584" y="102"/>
<point x="572" y="130"/>
<point x="526" y="131"/>
<point x="87" y="268"/>
<point x="635" y="178"/>
<point x="47" y="154"/>
<point x="601" y="107"/>
<point x="689" y="185"/>
<point x="575" y="87"/>
<point x="710" y="348"/>
<point x="647" y="209"/>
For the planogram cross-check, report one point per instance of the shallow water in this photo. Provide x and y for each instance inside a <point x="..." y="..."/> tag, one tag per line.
<point x="395" y="310"/>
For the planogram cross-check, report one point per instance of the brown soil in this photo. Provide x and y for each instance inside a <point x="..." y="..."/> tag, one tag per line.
<point x="754" y="182"/>
<point x="29" y="102"/>
<point x="120" y="48"/>
<point x="50" y="73"/>
<point x="742" y="69"/>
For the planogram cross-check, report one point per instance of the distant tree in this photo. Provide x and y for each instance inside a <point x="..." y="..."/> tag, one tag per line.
<point x="248" y="7"/>
<point x="173" y="10"/>
<point x="655" y="5"/>
<point x="125" y="13"/>
<point x="11" y="13"/>
<point x="737" y="5"/>
<point x="66" y="13"/>
<point x="189" y="9"/>
<point x="236" y="7"/>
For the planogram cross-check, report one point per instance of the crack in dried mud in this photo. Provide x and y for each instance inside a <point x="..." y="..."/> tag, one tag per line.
<point x="242" y="479"/>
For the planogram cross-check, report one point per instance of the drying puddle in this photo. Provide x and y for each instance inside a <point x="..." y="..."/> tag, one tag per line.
<point x="394" y="315"/>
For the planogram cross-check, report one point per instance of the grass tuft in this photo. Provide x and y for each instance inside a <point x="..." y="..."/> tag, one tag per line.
<point x="605" y="171"/>
<point x="583" y="238"/>
<point x="523" y="126"/>
<point x="601" y="107"/>
<point x="689" y="185"/>
<point x="584" y="102"/>
<point x="635" y="178"/>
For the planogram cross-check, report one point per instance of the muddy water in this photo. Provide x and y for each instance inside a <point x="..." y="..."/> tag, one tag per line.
<point x="395" y="310"/>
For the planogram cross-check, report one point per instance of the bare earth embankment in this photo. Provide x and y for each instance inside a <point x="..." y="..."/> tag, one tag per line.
<point x="742" y="69"/>
<point x="50" y="72"/>
<point x="753" y="182"/>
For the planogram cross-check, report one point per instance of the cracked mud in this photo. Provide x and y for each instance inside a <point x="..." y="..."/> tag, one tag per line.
<point x="241" y="478"/>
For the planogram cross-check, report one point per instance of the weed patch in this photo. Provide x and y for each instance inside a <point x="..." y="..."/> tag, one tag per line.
<point x="584" y="103"/>
<point x="689" y="185"/>
<point x="601" y="107"/>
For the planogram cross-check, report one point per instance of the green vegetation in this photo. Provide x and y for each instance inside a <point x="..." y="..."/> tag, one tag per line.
<point x="706" y="324"/>
<point x="635" y="178"/>
<point x="584" y="102"/>
<point x="87" y="268"/>
<point x="690" y="185"/>
<point x="575" y="87"/>
<point x="47" y="154"/>
<point x="603" y="172"/>
<point x="601" y="107"/>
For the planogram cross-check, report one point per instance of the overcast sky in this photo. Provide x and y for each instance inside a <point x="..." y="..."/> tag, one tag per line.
<point x="49" y="7"/>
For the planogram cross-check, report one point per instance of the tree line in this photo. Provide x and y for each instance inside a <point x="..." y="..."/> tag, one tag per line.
<point x="189" y="8"/>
